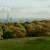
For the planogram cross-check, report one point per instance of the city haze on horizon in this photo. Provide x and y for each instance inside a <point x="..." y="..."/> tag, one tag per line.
<point x="19" y="9"/>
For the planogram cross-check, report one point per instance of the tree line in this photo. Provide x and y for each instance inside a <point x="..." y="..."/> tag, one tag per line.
<point x="27" y="29"/>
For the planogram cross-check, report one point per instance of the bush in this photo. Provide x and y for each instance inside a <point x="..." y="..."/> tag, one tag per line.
<point x="32" y="30"/>
<point x="1" y="33"/>
<point x="36" y="29"/>
<point x="18" y="30"/>
<point x="7" y="33"/>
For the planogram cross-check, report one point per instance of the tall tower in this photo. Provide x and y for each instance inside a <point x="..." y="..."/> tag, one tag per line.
<point x="8" y="17"/>
<point x="8" y="11"/>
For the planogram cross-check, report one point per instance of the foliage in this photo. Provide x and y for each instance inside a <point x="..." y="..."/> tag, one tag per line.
<point x="18" y="30"/>
<point x="7" y="33"/>
<point x="36" y="29"/>
<point x="29" y="29"/>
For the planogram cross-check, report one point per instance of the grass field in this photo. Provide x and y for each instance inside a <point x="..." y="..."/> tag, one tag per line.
<point x="25" y="44"/>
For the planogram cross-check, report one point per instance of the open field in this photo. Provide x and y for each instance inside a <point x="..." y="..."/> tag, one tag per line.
<point x="24" y="44"/>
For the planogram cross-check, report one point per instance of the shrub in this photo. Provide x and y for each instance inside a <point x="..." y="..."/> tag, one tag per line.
<point x="36" y="29"/>
<point x="7" y="33"/>
<point x="1" y="33"/>
<point x="18" y="30"/>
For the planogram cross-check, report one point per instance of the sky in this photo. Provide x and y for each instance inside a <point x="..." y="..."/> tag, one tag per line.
<point x="25" y="8"/>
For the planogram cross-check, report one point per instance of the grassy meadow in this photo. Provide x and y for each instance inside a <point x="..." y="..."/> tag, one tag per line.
<point x="25" y="36"/>
<point x="27" y="43"/>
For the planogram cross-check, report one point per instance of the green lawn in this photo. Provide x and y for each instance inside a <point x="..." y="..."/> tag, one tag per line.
<point x="23" y="44"/>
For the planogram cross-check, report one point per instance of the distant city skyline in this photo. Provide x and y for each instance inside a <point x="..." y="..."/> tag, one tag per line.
<point x="25" y="8"/>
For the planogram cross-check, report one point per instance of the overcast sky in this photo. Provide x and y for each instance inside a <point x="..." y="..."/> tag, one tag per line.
<point x="25" y="8"/>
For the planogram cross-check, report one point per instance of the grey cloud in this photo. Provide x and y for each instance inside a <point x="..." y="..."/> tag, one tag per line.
<point x="30" y="11"/>
<point x="43" y="13"/>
